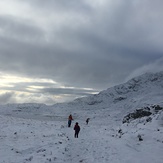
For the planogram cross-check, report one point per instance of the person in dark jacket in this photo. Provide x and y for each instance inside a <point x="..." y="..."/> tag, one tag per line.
<point x="69" y="120"/>
<point x="87" y="120"/>
<point x="77" y="129"/>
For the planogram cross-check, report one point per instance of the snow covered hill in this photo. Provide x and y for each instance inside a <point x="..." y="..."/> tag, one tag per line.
<point x="126" y="125"/>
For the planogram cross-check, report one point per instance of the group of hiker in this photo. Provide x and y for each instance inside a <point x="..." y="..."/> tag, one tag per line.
<point x="76" y="127"/>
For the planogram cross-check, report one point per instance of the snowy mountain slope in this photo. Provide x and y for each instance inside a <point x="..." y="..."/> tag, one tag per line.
<point x="39" y="133"/>
<point x="143" y="86"/>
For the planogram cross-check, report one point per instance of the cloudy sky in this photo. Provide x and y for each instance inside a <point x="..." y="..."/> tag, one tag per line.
<point x="57" y="50"/>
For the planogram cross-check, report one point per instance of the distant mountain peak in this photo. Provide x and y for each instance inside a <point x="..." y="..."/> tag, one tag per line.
<point x="143" y="87"/>
<point x="147" y="79"/>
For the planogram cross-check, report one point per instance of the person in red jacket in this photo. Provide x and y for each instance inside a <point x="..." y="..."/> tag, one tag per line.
<point x="69" y="120"/>
<point x="77" y="129"/>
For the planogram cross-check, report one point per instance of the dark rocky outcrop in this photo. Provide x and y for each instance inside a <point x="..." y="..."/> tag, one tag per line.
<point x="143" y="112"/>
<point x="139" y="113"/>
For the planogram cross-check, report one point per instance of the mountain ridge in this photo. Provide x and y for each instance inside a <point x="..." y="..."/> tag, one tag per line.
<point x="142" y="91"/>
<point x="118" y="92"/>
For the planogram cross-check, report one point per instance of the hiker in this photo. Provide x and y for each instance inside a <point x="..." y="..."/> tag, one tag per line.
<point x="69" y="120"/>
<point x="87" y="120"/>
<point x="77" y="129"/>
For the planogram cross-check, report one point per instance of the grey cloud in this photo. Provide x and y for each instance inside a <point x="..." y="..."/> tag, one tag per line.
<point x="48" y="88"/>
<point x="7" y="97"/>
<point x="20" y="29"/>
<point x="113" y="41"/>
<point x="68" y="91"/>
<point x="60" y="5"/>
<point x="155" y="66"/>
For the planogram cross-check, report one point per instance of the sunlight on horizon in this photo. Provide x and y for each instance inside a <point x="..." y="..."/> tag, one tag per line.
<point x="25" y="89"/>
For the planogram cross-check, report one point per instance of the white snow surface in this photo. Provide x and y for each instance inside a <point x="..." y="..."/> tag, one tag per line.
<point x="38" y="133"/>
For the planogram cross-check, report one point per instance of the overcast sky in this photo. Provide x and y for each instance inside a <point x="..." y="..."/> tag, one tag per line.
<point x="57" y="50"/>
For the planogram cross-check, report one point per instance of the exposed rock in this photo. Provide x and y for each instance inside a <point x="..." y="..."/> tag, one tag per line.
<point x="137" y="114"/>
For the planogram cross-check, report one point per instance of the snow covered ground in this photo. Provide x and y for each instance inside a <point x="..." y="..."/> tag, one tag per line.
<point x="38" y="133"/>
